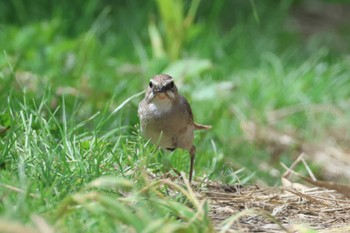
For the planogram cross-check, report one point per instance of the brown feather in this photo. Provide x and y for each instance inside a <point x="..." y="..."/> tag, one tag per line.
<point x="201" y="127"/>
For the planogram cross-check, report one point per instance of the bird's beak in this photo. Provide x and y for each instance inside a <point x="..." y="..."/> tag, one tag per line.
<point x="159" y="90"/>
<point x="162" y="94"/>
<point x="155" y="93"/>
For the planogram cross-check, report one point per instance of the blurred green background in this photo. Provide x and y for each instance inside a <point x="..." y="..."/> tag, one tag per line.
<point x="273" y="78"/>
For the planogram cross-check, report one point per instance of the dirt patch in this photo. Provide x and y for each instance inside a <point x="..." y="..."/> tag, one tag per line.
<point x="257" y="209"/>
<point x="301" y="204"/>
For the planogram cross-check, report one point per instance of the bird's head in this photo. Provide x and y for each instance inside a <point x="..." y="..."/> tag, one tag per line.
<point x="162" y="87"/>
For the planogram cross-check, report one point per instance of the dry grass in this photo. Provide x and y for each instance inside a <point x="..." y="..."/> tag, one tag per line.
<point x="291" y="208"/>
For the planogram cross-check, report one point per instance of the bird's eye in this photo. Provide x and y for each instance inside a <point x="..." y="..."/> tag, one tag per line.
<point x="171" y="85"/>
<point x="150" y="84"/>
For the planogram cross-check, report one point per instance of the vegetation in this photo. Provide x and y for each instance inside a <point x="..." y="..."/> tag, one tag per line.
<point x="71" y="155"/>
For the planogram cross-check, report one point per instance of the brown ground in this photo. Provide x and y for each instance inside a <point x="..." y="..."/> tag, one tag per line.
<point x="256" y="209"/>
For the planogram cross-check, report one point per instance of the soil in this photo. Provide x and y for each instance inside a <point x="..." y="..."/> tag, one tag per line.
<point x="257" y="209"/>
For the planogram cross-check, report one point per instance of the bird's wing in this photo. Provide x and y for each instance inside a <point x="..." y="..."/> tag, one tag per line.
<point x="189" y="111"/>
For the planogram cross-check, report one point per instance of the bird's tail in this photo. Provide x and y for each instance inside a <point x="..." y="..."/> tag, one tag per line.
<point x="201" y="127"/>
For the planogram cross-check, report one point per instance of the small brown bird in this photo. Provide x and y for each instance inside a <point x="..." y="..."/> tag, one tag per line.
<point x="166" y="117"/>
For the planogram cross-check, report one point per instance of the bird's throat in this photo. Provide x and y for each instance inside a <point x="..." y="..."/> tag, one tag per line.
<point x="160" y="104"/>
<point x="161" y="96"/>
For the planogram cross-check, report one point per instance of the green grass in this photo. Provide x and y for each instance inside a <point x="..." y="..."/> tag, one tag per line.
<point x="68" y="159"/>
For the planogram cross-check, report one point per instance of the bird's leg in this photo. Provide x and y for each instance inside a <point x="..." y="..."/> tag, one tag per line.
<point x="193" y="155"/>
